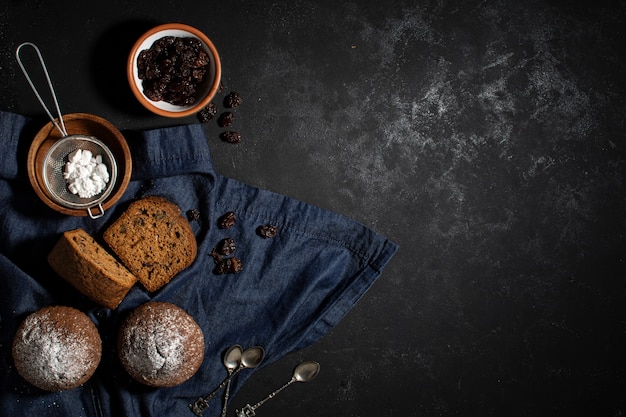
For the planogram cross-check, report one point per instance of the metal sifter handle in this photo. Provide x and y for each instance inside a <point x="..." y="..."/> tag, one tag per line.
<point x="61" y="126"/>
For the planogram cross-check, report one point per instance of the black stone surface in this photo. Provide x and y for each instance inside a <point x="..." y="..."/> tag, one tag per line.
<point x="485" y="137"/>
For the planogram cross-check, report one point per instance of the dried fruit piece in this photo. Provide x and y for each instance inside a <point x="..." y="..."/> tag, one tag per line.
<point x="231" y="136"/>
<point x="193" y="215"/>
<point x="226" y="246"/>
<point x="233" y="100"/>
<point x="267" y="231"/>
<point x="145" y="188"/>
<point x="226" y="119"/>
<point x="207" y="113"/>
<point x="227" y="221"/>
<point x="228" y="266"/>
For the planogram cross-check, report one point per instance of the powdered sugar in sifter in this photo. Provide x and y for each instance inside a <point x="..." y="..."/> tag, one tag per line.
<point x="65" y="175"/>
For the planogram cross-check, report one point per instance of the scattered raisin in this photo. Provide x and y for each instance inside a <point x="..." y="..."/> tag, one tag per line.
<point x="207" y="113"/>
<point x="226" y="119"/>
<point x="220" y="88"/>
<point x="145" y="188"/>
<point x="227" y="221"/>
<point x="226" y="246"/>
<point x="231" y="136"/>
<point x="216" y="256"/>
<point x="193" y="215"/>
<point x="228" y="266"/>
<point x="233" y="100"/>
<point x="267" y="231"/>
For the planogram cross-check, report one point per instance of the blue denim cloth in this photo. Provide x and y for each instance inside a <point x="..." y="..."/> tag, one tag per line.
<point x="293" y="288"/>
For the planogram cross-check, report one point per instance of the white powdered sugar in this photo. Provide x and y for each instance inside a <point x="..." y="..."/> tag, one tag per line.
<point x="159" y="351"/>
<point x="161" y="346"/>
<point x="49" y="356"/>
<point x="85" y="173"/>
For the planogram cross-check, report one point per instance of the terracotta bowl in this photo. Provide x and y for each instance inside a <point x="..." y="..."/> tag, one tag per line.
<point x="84" y="124"/>
<point x="206" y="89"/>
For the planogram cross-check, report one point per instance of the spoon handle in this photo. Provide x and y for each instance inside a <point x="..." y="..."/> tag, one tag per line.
<point x="198" y="407"/>
<point x="226" y="396"/>
<point x="202" y="404"/>
<point x="247" y="409"/>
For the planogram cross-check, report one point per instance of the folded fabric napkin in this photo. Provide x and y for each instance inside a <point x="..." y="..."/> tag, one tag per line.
<point x="293" y="288"/>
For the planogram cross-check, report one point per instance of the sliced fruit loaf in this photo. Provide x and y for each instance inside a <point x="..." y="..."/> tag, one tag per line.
<point x="153" y="240"/>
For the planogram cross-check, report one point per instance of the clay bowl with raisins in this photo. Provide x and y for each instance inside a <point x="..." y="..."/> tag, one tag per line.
<point x="174" y="70"/>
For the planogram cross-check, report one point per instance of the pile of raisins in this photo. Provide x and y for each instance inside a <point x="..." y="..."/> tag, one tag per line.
<point x="172" y="69"/>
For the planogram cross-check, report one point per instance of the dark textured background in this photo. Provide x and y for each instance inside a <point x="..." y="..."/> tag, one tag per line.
<point x="485" y="137"/>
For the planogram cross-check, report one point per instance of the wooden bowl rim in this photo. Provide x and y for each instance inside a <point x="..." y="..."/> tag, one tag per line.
<point x="48" y="135"/>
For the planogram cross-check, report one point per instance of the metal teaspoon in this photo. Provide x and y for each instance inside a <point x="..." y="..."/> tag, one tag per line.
<point x="250" y="358"/>
<point x="304" y="372"/>
<point x="232" y="359"/>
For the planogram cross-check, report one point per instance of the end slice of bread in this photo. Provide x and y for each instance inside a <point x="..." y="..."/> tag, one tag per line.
<point x="153" y="240"/>
<point x="85" y="264"/>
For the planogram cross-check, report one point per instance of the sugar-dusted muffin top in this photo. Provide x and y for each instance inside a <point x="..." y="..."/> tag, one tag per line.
<point x="160" y="345"/>
<point x="57" y="348"/>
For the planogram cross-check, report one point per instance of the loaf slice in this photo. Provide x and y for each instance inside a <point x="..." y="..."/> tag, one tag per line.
<point x="153" y="240"/>
<point x="85" y="264"/>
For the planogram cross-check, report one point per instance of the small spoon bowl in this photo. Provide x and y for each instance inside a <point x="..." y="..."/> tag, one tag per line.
<point x="306" y="371"/>
<point x="232" y="361"/>
<point x="232" y="358"/>
<point x="252" y="357"/>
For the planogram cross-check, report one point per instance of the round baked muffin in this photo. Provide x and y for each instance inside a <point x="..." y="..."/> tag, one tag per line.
<point x="160" y="345"/>
<point x="57" y="348"/>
